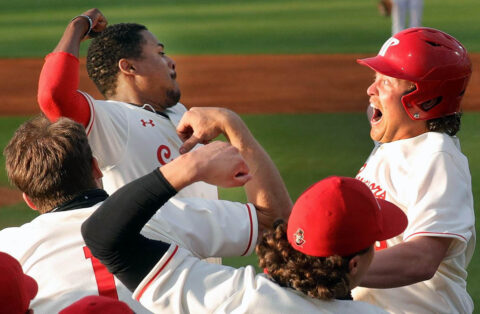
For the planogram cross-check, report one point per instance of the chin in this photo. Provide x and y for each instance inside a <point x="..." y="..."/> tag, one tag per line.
<point x="173" y="97"/>
<point x="375" y="137"/>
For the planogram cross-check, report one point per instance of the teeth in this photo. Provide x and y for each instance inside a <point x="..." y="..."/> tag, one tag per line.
<point x="373" y="106"/>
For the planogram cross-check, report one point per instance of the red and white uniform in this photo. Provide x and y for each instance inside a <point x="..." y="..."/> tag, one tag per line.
<point x="429" y="179"/>
<point x="181" y="283"/>
<point x="128" y="141"/>
<point x="51" y="248"/>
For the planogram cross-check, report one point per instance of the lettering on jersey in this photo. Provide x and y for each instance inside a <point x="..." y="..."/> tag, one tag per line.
<point x="299" y="237"/>
<point x="163" y="154"/>
<point x="149" y="122"/>
<point x="376" y="189"/>
<point x="392" y="41"/>
<point x="380" y="245"/>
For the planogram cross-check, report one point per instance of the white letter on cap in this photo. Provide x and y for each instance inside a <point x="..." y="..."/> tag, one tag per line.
<point x="392" y="41"/>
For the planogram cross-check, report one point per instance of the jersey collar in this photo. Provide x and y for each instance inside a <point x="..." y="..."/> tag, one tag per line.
<point x="84" y="200"/>
<point x="149" y="107"/>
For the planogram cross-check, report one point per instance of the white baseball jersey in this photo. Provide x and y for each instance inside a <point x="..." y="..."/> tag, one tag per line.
<point x="428" y="178"/>
<point x="130" y="141"/>
<point x="51" y="248"/>
<point x="181" y="283"/>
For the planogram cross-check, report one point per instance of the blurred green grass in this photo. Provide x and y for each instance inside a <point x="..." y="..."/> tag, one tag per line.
<point x="31" y="28"/>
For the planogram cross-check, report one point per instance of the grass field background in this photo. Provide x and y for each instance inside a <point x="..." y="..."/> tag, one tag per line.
<point x="31" y="28"/>
<point x="305" y="147"/>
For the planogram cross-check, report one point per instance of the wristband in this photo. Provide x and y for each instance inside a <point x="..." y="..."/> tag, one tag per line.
<point x="90" y="23"/>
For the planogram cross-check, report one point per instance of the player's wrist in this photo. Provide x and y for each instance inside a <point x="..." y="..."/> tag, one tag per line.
<point x="180" y="172"/>
<point x="83" y="20"/>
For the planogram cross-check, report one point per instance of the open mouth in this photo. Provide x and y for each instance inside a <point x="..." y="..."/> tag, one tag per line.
<point x="376" y="115"/>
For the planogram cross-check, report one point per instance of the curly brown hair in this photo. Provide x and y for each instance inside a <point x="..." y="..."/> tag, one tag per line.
<point x="116" y="42"/>
<point x="50" y="162"/>
<point x="318" y="277"/>
<point x="449" y="124"/>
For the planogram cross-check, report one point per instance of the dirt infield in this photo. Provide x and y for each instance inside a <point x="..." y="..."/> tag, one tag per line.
<point x="246" y="84"/>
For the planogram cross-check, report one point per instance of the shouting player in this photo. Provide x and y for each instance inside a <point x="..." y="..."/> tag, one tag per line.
<point x="53" y="165"/>
<point x="421" y="76"/>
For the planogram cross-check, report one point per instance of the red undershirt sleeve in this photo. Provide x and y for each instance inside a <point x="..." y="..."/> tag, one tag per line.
<point x="57" y="89"/>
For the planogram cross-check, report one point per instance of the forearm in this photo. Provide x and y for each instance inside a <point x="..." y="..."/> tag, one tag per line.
<point x="266" y="189"/>
<point x="113" y="231"/>
<point x="72" y="36"/>
<point x="406" y="263"/>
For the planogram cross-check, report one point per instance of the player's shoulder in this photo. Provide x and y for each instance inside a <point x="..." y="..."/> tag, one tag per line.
<point x="432" y="142"/>
<point x="435" y="145"/>
<point x="178" y="109"/>
<point x="175" y="113"/>
<point x="423" y="146"/>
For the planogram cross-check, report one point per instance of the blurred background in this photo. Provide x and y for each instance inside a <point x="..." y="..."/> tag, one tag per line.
<point x="287" y="66"/>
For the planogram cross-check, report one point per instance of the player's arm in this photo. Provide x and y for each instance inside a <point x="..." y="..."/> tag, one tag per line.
<point x="406" y="263"/>
<point x="58" y="83"/>
<point x="113" y="232"/>
<point x="266" y="190"/>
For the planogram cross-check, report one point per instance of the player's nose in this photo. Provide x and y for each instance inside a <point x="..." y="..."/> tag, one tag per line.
<point x="372" y="89"/>
<point x="171" y="63"/>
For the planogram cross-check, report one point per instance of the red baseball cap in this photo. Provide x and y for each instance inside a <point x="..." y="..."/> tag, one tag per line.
<point x="16" y="288"/>
<point x="340" y="216"/>
<point x="95" y="304"/>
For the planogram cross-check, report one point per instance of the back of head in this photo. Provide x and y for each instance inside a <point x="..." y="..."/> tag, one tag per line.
<point x="323" y="278"/>
<point x="50" y="162"/>
<point x="117" y="41"/>
<point x="334" y="220"/>
<point x="434" y="61"/>
<point x="16" y="288"/>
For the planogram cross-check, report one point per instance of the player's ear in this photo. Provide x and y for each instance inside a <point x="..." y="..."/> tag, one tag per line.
<point x="29" y="201"/>
<point x="126" y="66"/>
<point x="96" y="172"/>
<point x="353" y="265"/>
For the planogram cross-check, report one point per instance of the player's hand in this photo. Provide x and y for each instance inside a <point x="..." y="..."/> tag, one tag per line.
<point x="220" y="164"/>
<point x="201" y="125"/>
<point x="217" y="163"/>
<point x="99" y="22"/>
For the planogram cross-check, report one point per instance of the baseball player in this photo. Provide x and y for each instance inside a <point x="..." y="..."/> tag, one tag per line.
<point x="312" y="264"/>
<point x="401" y="9"/>
<point x="133" y="131"/>
<point x="53" y="165"/>
<point x="421" y="76"/>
